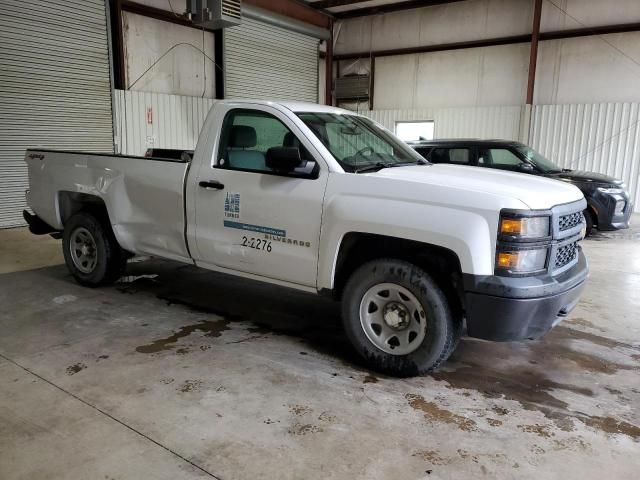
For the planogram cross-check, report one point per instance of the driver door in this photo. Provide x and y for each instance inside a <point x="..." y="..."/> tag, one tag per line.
<point x="251" y="219"/>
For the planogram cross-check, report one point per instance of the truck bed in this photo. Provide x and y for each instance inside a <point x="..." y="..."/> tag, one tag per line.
<point x="144" y="196"/>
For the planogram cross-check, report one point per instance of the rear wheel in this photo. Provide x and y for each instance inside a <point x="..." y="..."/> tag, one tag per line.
<point x="397" y="318"/>
<point x="91" y="251"/>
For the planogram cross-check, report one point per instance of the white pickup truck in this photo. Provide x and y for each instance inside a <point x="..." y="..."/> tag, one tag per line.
<point x="327" y="201"/>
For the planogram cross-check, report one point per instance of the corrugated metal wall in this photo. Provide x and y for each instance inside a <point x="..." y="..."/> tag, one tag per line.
<point x="55" y="89"/>
<point x="601" y="137"/>
<point x="268" y="62"/>
<point x="144" y="120"/>
<point x="480" y="122"/>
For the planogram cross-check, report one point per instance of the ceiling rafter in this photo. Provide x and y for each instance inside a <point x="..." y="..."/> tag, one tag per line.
<point x="373" y="10"/>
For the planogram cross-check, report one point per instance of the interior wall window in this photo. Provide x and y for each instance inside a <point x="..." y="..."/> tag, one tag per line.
<point x="415" y="131"/>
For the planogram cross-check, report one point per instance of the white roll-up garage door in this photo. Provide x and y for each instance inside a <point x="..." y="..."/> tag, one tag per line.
<point x="268" y="62"/>
<point x="55" y="88"/>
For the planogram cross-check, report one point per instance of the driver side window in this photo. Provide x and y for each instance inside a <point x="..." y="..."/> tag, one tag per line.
<point x="247" y="136"/>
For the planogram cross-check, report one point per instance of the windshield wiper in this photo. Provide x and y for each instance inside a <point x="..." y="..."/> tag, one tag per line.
<point x="373" y="166"/>
<point x="381" y="165"/>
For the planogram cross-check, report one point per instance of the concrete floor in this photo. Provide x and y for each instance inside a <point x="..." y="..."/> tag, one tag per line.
<point x="179" y="373"/>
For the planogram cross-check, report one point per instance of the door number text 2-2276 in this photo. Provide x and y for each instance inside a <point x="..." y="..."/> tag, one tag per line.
<point x="256" y="243"/>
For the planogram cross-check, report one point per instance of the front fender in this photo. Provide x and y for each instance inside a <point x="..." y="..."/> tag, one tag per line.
<point x="466" y="233"/>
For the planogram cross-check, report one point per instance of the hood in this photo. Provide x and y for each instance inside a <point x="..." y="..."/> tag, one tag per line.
<point x="535" y="192"/>
<point x="581" y="176"/>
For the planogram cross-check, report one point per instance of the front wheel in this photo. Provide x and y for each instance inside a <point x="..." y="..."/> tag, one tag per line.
<point x="397" y="318"/>
<point x="91" y="251"/>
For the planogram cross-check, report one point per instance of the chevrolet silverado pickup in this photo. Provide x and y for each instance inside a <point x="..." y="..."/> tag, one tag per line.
<point x="323" y="200"/>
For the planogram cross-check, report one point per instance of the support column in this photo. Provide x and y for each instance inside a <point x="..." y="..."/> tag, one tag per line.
<point x="533" y="57"/>
<point x="328" y="71"/>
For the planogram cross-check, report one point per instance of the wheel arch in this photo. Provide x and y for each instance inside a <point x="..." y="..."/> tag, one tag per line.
<point x="69" y="203"/>
<point x="441" y="263"/>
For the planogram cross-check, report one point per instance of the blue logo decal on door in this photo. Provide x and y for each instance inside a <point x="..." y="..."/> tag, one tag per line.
<point x="232" y="205"/>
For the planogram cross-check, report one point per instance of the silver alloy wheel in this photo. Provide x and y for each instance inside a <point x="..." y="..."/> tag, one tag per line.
<point x="84" y="252"/>
<point x="393" y="319"/>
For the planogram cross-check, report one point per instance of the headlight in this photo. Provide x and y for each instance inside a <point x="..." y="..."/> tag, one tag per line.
<point x="620" y="206"/>
<point x="524" y="227"/>
<point x="522" y="261"/>
<point x="610" y="191"/>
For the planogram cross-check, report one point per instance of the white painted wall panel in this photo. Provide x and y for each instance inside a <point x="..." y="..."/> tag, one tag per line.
<point x="601" y="137"/>
<point x="588" y="13"/>
<point x="475" y="20"/>
<point x="482" y="122"/>
<point x="176" y="121"/>
<point x="588" y="69"/>
<point x="184" y="70"/>
<point x="449" y="23"/>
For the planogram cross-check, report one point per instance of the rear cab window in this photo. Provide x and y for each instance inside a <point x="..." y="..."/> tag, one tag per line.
<point x="452" y="155"/>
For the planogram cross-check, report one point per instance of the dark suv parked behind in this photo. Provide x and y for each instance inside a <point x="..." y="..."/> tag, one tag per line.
<point x="609" y="207"/>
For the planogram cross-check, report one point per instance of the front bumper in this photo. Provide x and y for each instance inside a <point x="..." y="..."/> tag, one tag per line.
<point x="604" y="204"/>
<point x="508" y="308"/>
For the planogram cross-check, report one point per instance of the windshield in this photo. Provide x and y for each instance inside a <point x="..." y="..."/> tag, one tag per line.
<point x="357" y="143"/>
<point x="543" y="164"/>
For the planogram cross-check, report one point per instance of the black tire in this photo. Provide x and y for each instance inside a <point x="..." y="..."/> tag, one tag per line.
<point x="442" y="332"/>
<point x="588" y="217"/>
<point x="110" y="259"/>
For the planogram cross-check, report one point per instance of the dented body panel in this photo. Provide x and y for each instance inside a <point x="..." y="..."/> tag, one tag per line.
<point x="143" y="197"/>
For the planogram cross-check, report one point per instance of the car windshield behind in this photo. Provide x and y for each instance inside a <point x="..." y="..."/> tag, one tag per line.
<point x="357" y="143"/>
<point x="542" y="163"/>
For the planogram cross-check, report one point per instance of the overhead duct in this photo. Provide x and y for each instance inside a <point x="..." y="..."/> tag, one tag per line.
<point x="352" y="87"/>
<point x="215" y="14"/>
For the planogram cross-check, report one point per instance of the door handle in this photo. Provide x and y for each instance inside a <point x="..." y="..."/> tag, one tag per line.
<point x="212" y="184"/>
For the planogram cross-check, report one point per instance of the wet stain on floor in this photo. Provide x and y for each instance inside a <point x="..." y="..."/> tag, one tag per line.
<point x="370" y="379"/>
<point x="540" y="430"/>
<point x="300" y="429"/>
<point x="611" y="425"/>
<point x="433" y="457"/>
<point x="476" y="366"/>
<point x="210" y="328"/>
<point x="73" y="369"/>
<point x="190" y="386"/>
<point x="289" y="314"/>
<point x="531" y="386"/>
<point x="299" y="409"/>
<point x="435" y="413"/>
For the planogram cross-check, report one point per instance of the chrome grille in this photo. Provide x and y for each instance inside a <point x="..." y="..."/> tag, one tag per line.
<point x="567" y="222"/>
<point x="566" y="254"/>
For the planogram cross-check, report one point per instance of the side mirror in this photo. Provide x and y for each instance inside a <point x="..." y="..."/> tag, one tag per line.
<point x="283" y="159"/>
<point x="526" y="167"/>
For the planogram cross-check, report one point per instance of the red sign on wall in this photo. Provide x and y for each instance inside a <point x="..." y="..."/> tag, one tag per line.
<point x="149" y="115"/>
